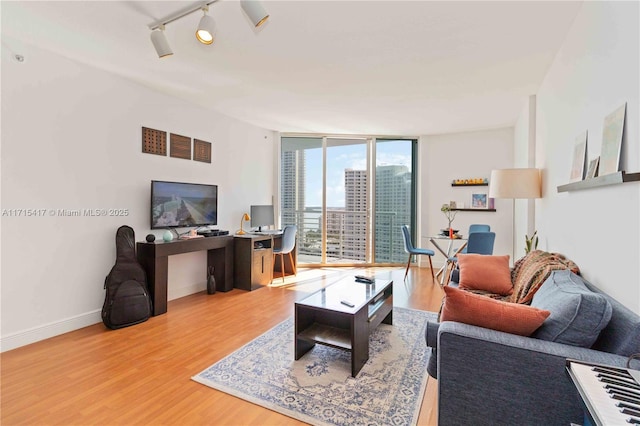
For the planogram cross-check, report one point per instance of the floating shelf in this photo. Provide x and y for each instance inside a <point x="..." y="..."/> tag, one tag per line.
<point x="469" y="184"/>
<point x="606" y="180"/>
<point x="474" y="210"/>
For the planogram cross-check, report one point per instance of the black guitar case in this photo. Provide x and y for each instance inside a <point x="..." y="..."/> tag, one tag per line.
<point x="127" y="300"/>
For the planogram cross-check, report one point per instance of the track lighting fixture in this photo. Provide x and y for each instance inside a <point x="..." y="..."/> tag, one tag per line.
<point x="206" y="30"/>
<point x="160" y="42"/>
<point x="255" y="11"/>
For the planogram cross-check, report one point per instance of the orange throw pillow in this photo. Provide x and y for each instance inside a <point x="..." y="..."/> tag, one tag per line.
<point x="483" y="272"/>
<point x="474" y="309"/>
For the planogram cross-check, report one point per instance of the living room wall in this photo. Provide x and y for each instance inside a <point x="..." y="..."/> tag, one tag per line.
<point x="71" y="139"/>
<point x="595" y="72"/>
<point x="444" y="158"/>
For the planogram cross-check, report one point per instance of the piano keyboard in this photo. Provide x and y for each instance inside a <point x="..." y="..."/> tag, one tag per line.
<point x="611" y="394"/>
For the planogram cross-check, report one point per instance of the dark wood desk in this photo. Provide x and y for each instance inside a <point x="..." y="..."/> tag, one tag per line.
<point x="154" y="258"/>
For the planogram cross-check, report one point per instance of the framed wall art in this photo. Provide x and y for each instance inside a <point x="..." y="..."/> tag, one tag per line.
<point x="579" y="158"/>
<point x="478" y="201"/>
<point x="593" y="168"/>
<point x="612" y="141"/>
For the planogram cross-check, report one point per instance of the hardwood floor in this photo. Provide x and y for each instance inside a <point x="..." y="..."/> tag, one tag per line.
<point x="141" y="374"/>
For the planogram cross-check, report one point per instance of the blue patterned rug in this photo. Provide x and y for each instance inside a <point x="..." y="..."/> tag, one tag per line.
<point x="319" y="389"/>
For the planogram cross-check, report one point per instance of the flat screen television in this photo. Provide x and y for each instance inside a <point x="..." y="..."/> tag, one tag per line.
<point x="178" y="205"/>
<point x="262" y="216"/>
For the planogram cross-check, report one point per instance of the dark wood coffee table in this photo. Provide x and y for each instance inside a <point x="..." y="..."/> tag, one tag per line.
<point x="322" y="318"/>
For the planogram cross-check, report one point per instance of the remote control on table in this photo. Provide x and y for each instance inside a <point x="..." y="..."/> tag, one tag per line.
<point x="363" y="279"/>
<point x="347" y="303"/>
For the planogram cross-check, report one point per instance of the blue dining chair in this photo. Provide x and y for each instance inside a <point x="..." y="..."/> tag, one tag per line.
<point x="476" y="227"/>
<point x="409" y="248"/>
<point x="477" y="243"/>
<point x="288" y="244"/>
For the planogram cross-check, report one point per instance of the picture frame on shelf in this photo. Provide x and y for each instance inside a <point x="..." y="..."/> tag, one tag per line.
<point x="593" y="168"/>
<point x="479" y="201"/>
<point x="579" y="158"/>
<point x="612" y="141"/>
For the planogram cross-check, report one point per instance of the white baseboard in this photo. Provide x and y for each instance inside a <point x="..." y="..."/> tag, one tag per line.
<point x="35" y="334"/>
<point x="26" y="337"/>
<point x="176" y="293"/>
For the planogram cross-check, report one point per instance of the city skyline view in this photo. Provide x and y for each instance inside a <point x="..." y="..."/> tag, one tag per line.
<point x="350" y="157"/>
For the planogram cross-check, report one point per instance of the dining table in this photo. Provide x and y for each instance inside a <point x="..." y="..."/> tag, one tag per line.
<point x="451" y="246"/>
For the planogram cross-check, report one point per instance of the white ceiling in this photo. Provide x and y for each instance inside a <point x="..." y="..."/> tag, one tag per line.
<point x="341" y="67"/>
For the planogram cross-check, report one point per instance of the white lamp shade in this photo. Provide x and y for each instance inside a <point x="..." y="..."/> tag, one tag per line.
<point x="255" y="11"/>
<point x="160" y="43"/>
<point x="515" y="183"/>
<point x="206" y="31"/>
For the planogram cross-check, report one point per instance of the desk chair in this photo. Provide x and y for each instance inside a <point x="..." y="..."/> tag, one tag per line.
<point x="287" y="246"/>
<point x="477" y="243"/>
<point x="409" y="248"/>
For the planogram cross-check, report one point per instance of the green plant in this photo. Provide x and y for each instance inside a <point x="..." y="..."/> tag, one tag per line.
<point x="531" y="243"/>
<point x="450" y="214"/>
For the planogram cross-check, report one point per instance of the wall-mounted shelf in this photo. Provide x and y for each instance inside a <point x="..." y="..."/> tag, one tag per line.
<point x="474" y="210"/>
<point x="610" y="179"/>
<point x="469" y="184"/>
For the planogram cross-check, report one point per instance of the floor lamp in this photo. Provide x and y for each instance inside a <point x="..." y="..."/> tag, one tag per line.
<point x="515" y="184"/>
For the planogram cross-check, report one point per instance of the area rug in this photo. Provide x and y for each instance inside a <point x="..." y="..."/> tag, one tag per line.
<point x="319" y="389"/>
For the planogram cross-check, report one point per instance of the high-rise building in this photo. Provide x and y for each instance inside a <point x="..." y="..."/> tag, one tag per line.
<point x="393" y="209"/>
<point x="292" y="188"/>
<point x="354" y="233"/>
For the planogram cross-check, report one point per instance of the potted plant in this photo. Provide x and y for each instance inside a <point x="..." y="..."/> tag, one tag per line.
<point x="531" y="243"/>
<point x="450" y="214"/>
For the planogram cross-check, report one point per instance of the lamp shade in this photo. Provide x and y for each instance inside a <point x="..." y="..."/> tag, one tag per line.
<point x="206" y="31"/>
<point x="255" y="11"/>
<point x="515" y="183"/>
<point x="160" y="43"/>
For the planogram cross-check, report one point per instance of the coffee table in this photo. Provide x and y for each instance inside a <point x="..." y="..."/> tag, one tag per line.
<point x="322" y="318"/>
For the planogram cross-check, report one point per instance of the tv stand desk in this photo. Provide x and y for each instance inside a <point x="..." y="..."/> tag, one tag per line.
<point x="154" y="258"/>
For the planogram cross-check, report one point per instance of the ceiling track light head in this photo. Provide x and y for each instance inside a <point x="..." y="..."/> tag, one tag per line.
<point x="206" y="31"/>
<point x="255" y="11"/>
<point x="160" y="42"/>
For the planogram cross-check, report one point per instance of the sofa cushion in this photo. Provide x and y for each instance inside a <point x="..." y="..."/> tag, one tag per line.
<point x="484" y="272"/>
<point x="577" y="314"/>
<point x="473" y="309"/>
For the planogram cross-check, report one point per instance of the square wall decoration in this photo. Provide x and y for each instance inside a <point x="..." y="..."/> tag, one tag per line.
<point x="201" y="151"/>
<point x="154" y="141"/>
<point x="180" y="146"/>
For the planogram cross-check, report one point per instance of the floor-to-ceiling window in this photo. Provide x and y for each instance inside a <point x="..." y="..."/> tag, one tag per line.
<point x="348" y="196"/>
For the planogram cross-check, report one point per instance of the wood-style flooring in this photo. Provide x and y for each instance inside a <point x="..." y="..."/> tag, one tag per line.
<point x="140" y="375"/>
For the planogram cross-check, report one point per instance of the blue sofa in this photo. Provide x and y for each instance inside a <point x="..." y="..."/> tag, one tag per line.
<point x="488" y="377"/>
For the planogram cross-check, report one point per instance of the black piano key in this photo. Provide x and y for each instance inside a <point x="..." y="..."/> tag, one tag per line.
<point x="626" y="380"/>
<point x="626" y="405"/>
<point x="619" y="383"/>
<point x="629" y="395"/>
<point x="630" y="412"/>
<point x="633" y="421"/>
<point x="633" y="414"/>
<point x="625" y="399"/>
<point x="620" y="373"/>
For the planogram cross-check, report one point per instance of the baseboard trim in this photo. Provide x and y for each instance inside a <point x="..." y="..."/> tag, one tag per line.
<point x="56" y="328"/>
<point x="46" y="331"/>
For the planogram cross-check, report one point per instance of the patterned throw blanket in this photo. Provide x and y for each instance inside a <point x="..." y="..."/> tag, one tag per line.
<point x="531" y="271"/>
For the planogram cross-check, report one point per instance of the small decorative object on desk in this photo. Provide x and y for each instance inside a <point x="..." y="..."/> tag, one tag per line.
<point x="167" y="236"/>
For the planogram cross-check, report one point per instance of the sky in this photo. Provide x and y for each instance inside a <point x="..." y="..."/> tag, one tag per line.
<point x="344" y="157"/>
